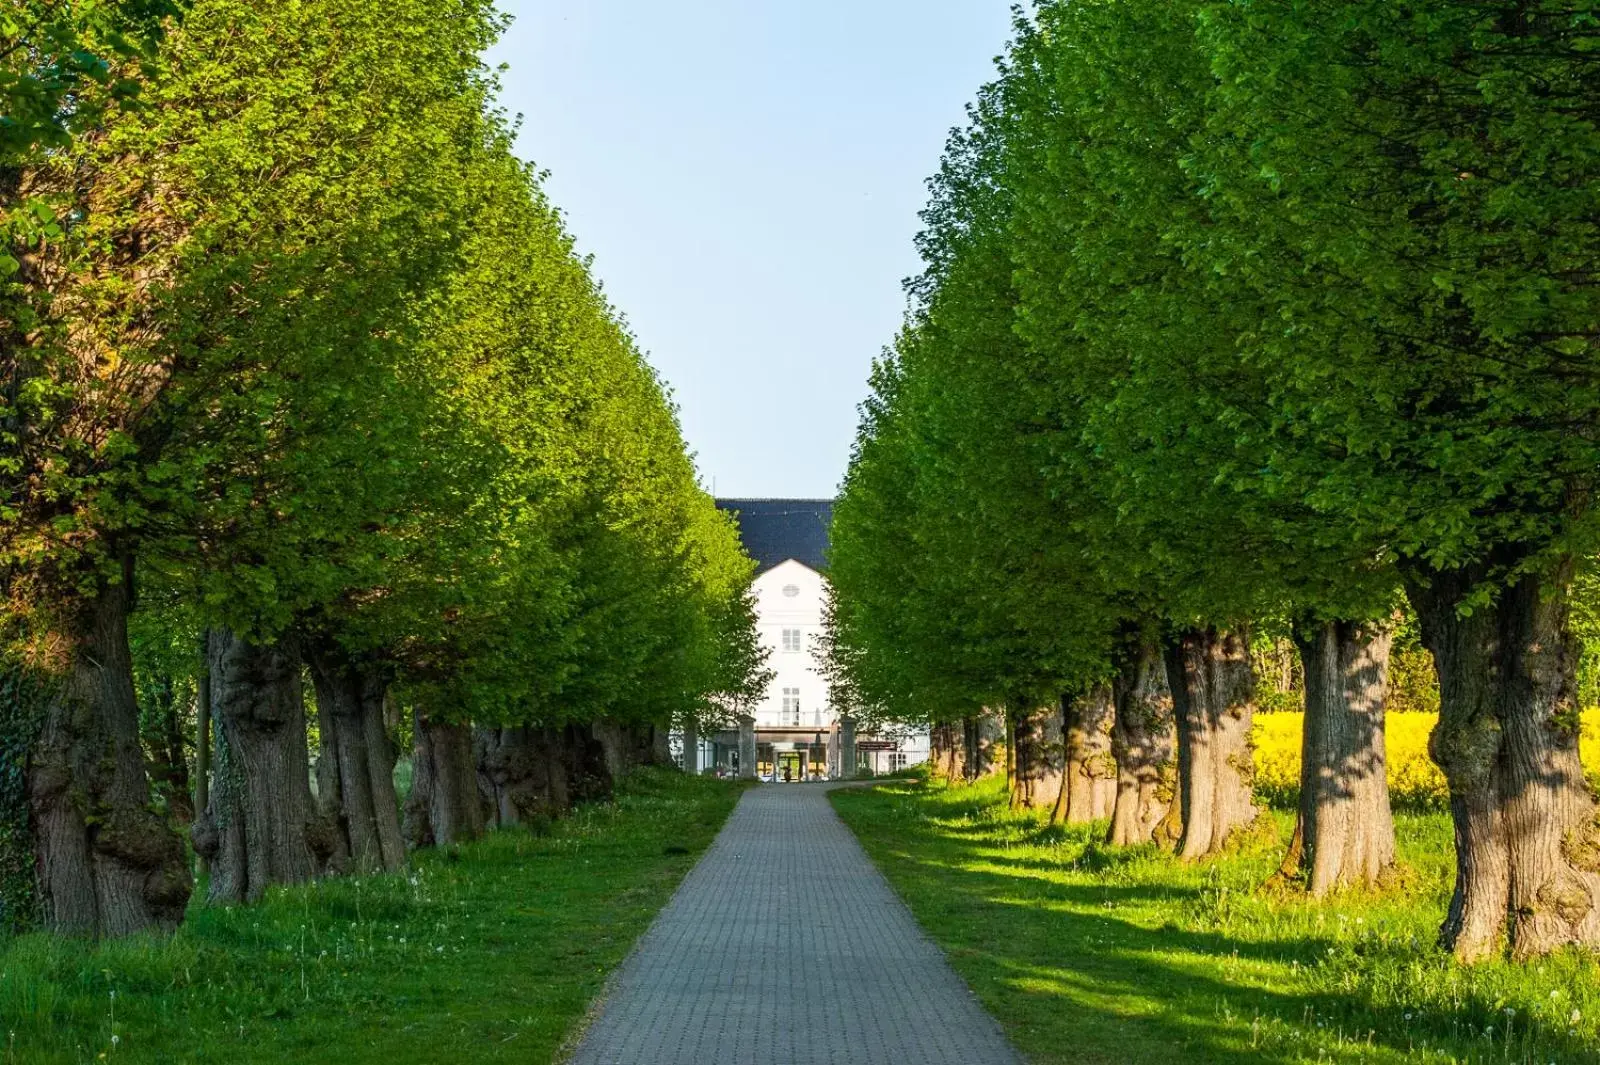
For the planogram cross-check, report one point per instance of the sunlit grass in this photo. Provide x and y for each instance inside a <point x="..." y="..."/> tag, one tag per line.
<point x="487" y="954"/>
<point x="1092" y="954"/>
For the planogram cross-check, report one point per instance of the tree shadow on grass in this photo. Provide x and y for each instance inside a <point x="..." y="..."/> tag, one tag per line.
<point x="1086" y="971"/>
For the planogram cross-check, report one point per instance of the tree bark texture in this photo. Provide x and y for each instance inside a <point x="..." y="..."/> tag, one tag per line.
<point x="1030" y="764"/>
<point x="202" y="730"/>
<point x="623" y="748"/>
<point x="445" y="807"/>
<point x="1527" y="827"/>
<point x="948" y="751"/>
<point x="1144" y="745"/>
<point x="262" y="826"/>
<point x="972" y="750"/>
<point x="1012" y="787"/>
<point x="991" y="735"/>
<point x="522" y="771"/>
<point x="1212" y="689"/>
<point x="691" y="747"/>
<point x="1053" y="751"/>
<point x="1344" y="836"/>
<point x="106" y="864"/>
<point x="526" y="772"/>
<point x="659" y="752"/>
<point x="355" y="771"/>
<point x="1088" y="790"/>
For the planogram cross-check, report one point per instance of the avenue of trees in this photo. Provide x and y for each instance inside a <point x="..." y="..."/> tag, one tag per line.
<point x="1244" y="319"/>
<point x="316" y="436"/>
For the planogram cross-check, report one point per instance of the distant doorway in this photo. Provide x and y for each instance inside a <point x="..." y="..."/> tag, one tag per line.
<point x="791" y="767"/>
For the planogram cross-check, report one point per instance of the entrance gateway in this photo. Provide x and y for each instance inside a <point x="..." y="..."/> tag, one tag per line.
<point x="792" y="763"/>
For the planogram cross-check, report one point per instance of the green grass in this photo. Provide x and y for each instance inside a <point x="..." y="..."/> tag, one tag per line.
<point x="1088" y="954"/>
<point x="489" y="954"/>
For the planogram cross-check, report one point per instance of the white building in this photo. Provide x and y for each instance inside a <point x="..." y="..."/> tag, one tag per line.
<point x="798" y="735"/>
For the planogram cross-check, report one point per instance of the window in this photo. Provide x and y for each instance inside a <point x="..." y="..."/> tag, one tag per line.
<point x="790" y="591"/>
<point x="791" y="639"/>
<point x="791" y="706"/>
<point x="897" y="760"/>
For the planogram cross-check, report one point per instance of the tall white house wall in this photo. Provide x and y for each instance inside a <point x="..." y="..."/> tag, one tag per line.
<point x="791" y="596"/>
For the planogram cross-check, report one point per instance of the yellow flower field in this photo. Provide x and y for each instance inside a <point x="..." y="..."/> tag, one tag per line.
<point x="1413" y="778"/>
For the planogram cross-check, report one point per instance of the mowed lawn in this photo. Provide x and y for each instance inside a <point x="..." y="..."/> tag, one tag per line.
<point x="491" y="953"/>
<point x="1088" y="954"/>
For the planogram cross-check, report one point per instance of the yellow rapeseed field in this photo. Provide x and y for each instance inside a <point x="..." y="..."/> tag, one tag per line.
<point x="1413" y="778"/>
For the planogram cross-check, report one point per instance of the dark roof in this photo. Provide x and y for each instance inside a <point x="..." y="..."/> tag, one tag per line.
<point x="776" y="530"/>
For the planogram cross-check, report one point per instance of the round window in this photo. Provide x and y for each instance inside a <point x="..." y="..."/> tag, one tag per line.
<point x="791" y="590"/>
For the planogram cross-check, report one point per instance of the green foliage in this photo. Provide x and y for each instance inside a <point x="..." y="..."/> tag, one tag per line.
<point x="519" y="931"/>
<point x="1433" y="166"/>
<point x="63" y="61"/>
<point x="1090" y="954"/>
<point x="1231" y="313"/>
<point x="363" y="387"/>
<point x="301" y="345"/>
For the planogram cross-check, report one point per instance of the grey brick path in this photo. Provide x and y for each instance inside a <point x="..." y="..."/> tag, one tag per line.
<point x="785" y="946"/>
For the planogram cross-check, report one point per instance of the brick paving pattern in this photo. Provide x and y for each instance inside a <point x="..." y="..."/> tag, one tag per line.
<point x="785" y="946"/>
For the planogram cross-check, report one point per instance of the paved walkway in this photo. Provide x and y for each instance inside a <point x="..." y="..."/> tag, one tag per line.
<point x="785" y="946"/>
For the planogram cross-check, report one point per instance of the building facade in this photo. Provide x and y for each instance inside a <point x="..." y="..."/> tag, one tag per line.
<point x="797" y="733"/>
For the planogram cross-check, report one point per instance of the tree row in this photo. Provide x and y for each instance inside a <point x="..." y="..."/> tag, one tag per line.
<point x="301" y="376"/>
<point x="1242" y="318"/>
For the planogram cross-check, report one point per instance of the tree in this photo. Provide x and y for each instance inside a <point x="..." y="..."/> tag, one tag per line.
<point x="1430" y="169"/>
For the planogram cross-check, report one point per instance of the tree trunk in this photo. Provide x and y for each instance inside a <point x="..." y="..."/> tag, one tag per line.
<point x="1012" y="788"/>
<point x="262" y="826"/>
<point x="1089" y="776"/>
<point x="949" y="743"/>
<point x="1144" y="743"/>
<point x="972" y="756"/>
<point x="106" y="864"/>
<point x="522" y="773"/>
<point x="1211" y="698"/>
<point x="1029" y="759"/>
<point x="355" y="773"/>
<point x="1344" y="836"/>
<point x="659" y="752"/>
<point x="1053" y="755"/>
<point x="613" y="761"/>
<point x="691" y="746"/>
<point x="1527" y="828"/>
<point x="444" y="807"/>
<point x="202" y="731"/>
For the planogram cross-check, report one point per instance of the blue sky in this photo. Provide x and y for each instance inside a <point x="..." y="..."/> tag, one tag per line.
<point x="747" y="175"/>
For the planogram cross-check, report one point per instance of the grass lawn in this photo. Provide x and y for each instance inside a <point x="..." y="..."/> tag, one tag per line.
<point x="489" y="954"/>
<point x="1088" y="954"/>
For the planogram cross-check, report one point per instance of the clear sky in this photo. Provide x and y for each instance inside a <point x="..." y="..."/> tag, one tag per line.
<point x="747" y="174"/>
